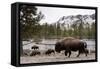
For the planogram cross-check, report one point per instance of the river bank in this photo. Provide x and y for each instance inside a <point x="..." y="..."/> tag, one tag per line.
<point x="55" y="58"/>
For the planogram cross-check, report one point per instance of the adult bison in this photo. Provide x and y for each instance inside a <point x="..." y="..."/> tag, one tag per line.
<point x="71" y="44"/>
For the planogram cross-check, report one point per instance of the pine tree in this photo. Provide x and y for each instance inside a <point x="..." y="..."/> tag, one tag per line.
<point x="29" y="22"/>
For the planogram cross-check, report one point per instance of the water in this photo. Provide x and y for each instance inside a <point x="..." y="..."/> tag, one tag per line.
<point x="90" y="44"/>
<point x="50" y="44"/>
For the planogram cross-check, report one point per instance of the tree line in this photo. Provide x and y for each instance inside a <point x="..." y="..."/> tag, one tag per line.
<point x="31" y="27"/>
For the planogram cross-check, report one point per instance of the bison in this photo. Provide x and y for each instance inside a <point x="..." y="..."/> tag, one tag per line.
<point x="34" y="47"/>
<point x="34" y="53"/>
<point x="49" y="51"/>
<point x="71" y="44"/>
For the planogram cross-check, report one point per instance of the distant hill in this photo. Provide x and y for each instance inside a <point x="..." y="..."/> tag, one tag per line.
<point x="72" y="19"/>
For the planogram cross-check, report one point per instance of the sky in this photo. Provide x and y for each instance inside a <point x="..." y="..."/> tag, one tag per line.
<point x="53" y="14"/>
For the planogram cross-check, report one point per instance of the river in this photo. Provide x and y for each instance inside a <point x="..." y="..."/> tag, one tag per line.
<point x="50" y="44"/>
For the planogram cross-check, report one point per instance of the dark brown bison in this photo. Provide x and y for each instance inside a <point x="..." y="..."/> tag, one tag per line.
<point x="71" y="44"/>
<point x="34" y="53"/>
<point x="34" y="47"/>
<point x="49" y="51"/>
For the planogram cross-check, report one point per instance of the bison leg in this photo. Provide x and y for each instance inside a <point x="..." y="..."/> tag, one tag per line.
<point x="66" y="53"/>
<point x="78" y="53"/>
<point x="53" y="52"/>
<point x="86" y="52"/>
<point x="69" y="53"/>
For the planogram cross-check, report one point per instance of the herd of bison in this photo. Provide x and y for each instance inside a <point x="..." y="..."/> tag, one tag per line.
<point x="67" y="45"/>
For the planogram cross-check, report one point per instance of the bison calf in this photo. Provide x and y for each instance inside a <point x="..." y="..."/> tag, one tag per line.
<point x="49" y="51"/>
<point x="33" y="53"/>
<point x="34" y="47"/>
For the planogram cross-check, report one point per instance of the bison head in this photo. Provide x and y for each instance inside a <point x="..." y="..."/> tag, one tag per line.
<point x="58" y="47"/>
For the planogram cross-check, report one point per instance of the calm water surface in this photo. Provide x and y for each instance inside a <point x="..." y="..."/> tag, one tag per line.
<point x="50" y="44"/>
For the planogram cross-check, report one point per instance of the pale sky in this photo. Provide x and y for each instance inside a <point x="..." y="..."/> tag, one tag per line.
<point x="53" y="14"/>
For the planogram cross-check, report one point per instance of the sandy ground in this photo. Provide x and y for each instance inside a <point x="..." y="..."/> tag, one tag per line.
<point x="55" y="58"/>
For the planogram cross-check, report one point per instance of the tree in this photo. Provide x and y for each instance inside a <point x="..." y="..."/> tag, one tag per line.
<point x="93" y="30"/>
<point x="75" y="29"/>
<point x="88" y="30"/>
<point x="80" y="25"/>
<point x="29" y="22"/>
<point x="58" y="30"/>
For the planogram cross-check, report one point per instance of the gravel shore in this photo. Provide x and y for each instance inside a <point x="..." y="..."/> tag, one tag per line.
<point x="55" y="58"/>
